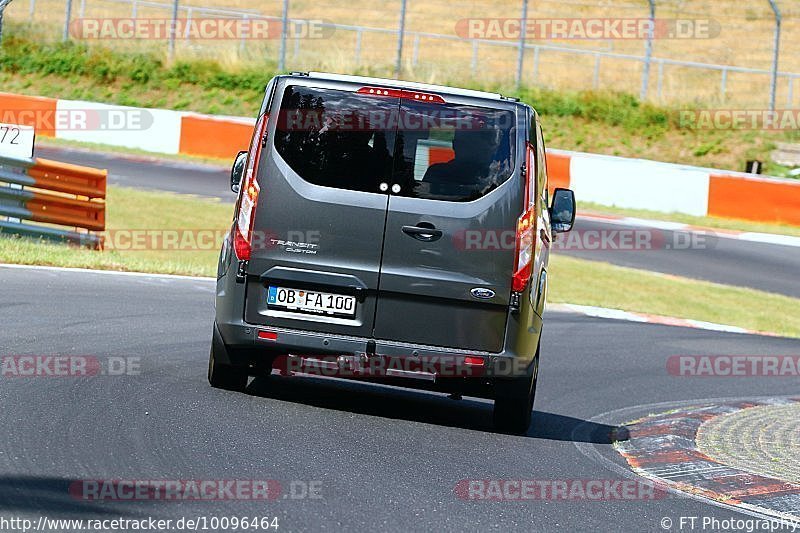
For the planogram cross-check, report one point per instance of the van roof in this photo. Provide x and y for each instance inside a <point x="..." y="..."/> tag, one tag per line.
<point x="385" y="82"/>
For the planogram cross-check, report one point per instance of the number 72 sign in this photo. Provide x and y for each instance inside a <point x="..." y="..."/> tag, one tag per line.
<point x="16" y="141"/>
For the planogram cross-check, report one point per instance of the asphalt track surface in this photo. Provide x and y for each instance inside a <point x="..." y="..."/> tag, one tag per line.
<point x="767" y="267"/>
<point x="385" y="458"/>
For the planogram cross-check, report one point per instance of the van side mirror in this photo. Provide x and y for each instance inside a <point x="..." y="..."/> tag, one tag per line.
<point x="562" y="211"/>
<point x="237" y="171"/>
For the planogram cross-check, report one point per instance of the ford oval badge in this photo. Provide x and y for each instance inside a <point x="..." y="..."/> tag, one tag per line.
<point x="482" y="293"/>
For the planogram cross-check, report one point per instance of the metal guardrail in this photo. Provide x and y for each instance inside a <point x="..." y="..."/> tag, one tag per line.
<point x="57" y="194"/>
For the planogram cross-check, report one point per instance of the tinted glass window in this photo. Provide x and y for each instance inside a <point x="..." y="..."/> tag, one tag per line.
<point x="337" y="138"/>
<point x="377" y="144"/>
<point x="452" y="152"/>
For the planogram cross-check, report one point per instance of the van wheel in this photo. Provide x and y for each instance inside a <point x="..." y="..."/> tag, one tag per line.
<point x="225" y="376"/>
<point x="514" y="402"/>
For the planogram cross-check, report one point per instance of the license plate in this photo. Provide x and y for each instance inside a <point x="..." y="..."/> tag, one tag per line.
<point x="321" y="303"/>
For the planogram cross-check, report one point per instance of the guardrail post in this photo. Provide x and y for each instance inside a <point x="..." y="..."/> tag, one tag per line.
<point x="67" y="17"/>
<point x="246" y="21"/>
<point x="14" y="220"/>
<point x="523" y="29"/>
<point x="173" y="29"/>
<point x="775" y="55"/>
<point x="358" y="48"/>
<point x="474" y="63"/>
<point x="596" y="76"/>
<point x="415" y="53"/>
<point x="189" y="13"/>
<point x="284" y="35"/>
<point x="648" y="52"/>
<point x="723" y="86"/>
<point x="401" y="34"/>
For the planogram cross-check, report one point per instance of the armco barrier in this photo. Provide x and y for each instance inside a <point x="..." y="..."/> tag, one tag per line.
<point x="754" y="198"/>
<point x="57" y="194"/>
<point x="35" y="111"/>
<point x="214" y="136"/>
<point x="671" y="188"/>
<point x="606" y="180"/>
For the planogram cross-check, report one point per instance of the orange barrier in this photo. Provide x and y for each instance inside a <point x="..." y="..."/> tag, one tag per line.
<point x="753" y="198"/>
<point x="558" y="171"/>
<point x="70" y="179"/>
<point x="87" y="214"/>
<point x="33" y="111"/>
<point x="212" y="137"/>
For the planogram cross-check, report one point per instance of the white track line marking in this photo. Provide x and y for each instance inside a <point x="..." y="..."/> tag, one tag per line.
<point x="631" y="316"/>
<point x="107" y="272"/>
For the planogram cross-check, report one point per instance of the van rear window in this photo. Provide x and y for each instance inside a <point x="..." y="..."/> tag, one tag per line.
<point x="329" y="139"/>
<point x="452" y="152"/>
<point x="377" y="144"/>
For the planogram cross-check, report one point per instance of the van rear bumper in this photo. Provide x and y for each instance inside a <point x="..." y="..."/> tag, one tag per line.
<point x="299" y="352"/>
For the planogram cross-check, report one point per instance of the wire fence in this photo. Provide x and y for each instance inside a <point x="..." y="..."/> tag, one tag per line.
<point x="722" y="52"/>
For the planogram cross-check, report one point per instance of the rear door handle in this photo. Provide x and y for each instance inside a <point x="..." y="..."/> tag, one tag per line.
<point x="422" y="233"/>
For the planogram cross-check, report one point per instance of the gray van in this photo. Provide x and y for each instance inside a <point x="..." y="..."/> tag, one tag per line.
<point x="392" y="232"/>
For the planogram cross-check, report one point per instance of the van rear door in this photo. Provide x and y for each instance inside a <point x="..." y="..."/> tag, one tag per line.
<point x="449" y="244"/>
<point x="324" y="176"/>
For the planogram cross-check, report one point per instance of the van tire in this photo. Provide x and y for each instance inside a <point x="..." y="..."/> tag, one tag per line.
<point x="513" y="404"/>
<point x="225" y="376"/>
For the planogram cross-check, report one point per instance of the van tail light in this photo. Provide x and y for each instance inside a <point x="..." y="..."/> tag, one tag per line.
<point x="526" y="227"/>
<point x="242" y="239"/>
<point x="403" y="93"/>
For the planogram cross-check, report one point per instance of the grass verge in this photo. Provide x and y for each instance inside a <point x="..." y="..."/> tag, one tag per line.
<point x="578" y="281"/>
<point x="573" y="281"/>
